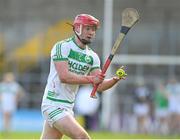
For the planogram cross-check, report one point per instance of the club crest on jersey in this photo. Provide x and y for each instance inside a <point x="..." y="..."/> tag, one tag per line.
<point x="87" y="59"/>
<point x="80" y="56"/>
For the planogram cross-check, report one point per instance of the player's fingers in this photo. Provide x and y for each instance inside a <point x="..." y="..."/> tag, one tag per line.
<point x="123" y="78"/>
<point x="122" y="67"/>
<point x="101" y="76"/>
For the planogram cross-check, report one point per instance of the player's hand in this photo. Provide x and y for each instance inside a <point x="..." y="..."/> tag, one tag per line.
<point x="120" y="74"/>
<point x="98" y="79"/>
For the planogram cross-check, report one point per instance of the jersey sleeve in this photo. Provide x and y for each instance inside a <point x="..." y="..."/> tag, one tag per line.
<point x="60" y="52"/>
<point x="96" y="63"/>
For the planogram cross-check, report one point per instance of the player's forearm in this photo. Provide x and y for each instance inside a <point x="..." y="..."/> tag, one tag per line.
<point x="107" y="84"/>
<point x="72" y="78"/>
<point x="68" y="77"/>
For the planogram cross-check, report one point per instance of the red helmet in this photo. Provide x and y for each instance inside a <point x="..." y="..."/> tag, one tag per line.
<point x="86" y="19"/>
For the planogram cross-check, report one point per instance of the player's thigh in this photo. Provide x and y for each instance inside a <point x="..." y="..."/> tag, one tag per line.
<point x="70" y="127"/>
<point x="50" y="132"/>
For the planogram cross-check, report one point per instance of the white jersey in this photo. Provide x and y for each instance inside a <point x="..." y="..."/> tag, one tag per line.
<point x="81" y="61"/>
<point x="8" y="93"/>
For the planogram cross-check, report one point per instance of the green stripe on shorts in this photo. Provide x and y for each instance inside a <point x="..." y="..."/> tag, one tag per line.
<point x="55" y="113"/>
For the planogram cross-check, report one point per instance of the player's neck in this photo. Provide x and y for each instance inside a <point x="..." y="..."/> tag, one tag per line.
<point x="79" y="43"/>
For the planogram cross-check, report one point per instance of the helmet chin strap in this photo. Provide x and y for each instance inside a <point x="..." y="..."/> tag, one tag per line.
<point x="83" y="41"/>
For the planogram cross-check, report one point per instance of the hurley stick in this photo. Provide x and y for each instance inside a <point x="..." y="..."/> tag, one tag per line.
<point x="130" y="16"/>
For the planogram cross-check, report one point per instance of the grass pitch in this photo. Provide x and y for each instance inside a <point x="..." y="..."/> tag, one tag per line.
<point x="94" y="135"/>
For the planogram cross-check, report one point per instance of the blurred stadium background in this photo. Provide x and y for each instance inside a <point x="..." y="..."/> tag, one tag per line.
<point x="150" y="52"/>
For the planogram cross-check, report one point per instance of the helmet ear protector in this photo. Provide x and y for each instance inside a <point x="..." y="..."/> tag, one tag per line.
<point x="80" y="29"/>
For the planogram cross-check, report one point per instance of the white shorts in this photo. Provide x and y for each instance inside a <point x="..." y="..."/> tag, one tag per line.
<point x="141" y="109"/>
<point x="161" y="112"/>
<point x="53" y="113"/>
<point x="174" y="104"/>
<point x="8" y="102"/>
<point x="8" y="108"/>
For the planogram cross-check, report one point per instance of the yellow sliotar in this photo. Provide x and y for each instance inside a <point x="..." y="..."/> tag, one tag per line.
<point x="121" y="73"/>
